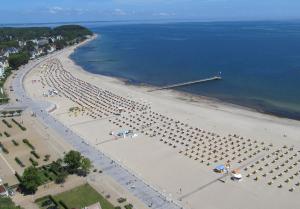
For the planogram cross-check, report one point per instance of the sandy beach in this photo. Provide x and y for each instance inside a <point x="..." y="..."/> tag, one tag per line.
<point x="176" y="139"/>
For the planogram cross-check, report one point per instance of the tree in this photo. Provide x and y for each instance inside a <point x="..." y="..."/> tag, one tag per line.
<point x="56" y="166"/>
<point x="61" y="177"/>
<point x="71" y="32"/>
<point x="29" y="47"/>
<point x="60" y="44"/>
<point x="73" y="160"/>
<point x="18" y="59"/>
<point x="31" y="179"/>
<point x="86" y="165"/>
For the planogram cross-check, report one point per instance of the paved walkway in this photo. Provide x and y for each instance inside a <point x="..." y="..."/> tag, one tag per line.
<point x="147" y="194"/>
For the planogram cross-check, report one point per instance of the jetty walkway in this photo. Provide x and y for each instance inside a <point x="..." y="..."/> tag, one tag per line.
<point x="187" y="83"/>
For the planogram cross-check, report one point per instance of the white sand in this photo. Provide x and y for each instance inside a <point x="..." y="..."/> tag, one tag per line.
<point x="179" y="175"/>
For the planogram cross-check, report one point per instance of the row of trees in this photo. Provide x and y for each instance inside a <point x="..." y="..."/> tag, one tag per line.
<point x="72" y="163"/>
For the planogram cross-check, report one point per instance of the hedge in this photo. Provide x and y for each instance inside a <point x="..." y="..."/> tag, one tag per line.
<point x="19" y="162"/>
<point x="18" y="124"/>
<point x="33" y="162"/>
<point x="28" y="144"/>
<point x="6" y="123"/>
<point x="36" y="155"/>
<point x="18" y="177"/>
<point x="6" y="134"/>
<point x="63" y="204"/>
<point x="46" y="197"/>
<point x="3" y="148"/>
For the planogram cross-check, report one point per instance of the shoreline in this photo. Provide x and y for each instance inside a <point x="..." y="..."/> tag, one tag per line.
<point x="256" y="107"/>
<point x="147" y="156"/>
<point x="180" y="94"/>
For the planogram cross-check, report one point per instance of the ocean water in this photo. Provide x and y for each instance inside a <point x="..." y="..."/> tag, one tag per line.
<point x="259" y="61"/>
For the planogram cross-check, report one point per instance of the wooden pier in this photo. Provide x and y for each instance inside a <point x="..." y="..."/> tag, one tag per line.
<point x="187" y="83"/>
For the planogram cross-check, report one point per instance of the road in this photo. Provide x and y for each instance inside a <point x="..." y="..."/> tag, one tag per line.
<point x="143" y="191"/>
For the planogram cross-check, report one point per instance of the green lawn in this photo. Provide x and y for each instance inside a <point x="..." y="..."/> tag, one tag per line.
<point x="6" y="203"/>
<point x="82" y="196"/>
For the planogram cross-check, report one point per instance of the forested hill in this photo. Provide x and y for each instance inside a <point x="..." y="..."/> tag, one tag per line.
<point x="68" y="32"/>
<point x="18" y="45"/>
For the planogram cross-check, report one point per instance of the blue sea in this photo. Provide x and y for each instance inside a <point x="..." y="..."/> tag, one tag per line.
<point x="259" y="61"/>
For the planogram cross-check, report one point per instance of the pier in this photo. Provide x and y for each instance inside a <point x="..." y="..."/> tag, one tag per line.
<point x="187" y="83"/>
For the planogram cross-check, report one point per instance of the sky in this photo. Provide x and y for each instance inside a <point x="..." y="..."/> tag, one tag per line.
<point x="41" y="11"/>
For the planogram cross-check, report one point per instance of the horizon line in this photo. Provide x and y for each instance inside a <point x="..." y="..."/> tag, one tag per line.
<point x="149" y="20"/>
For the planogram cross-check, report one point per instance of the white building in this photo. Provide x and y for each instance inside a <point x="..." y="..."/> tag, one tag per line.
<point x="52" y="49"/>
<point x="1" y="71"/>
<point x="43" y="41"/>
<point x="59" y="37"/>
<point x="3" y="62"/>
<point x="21" y="43"/>
<point x="3" y="65"/>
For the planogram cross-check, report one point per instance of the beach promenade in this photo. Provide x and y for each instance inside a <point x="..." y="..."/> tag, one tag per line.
<point x="174" y="141"/>
<point x="147" y="194"/>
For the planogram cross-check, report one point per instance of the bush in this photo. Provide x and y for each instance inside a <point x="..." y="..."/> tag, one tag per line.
<point x="129" y="206"/>
<point x="61" y="177"/>
<point x="6" y="134"/>
<point x="15" y="143"/>
<point x="47" y="157"/>
<point x="46" y="198"/>
<point x="5" y="150"/>
<point x="46" y="203"/>
<point x="121" y="200"/>
<point x="33" y="162"/>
